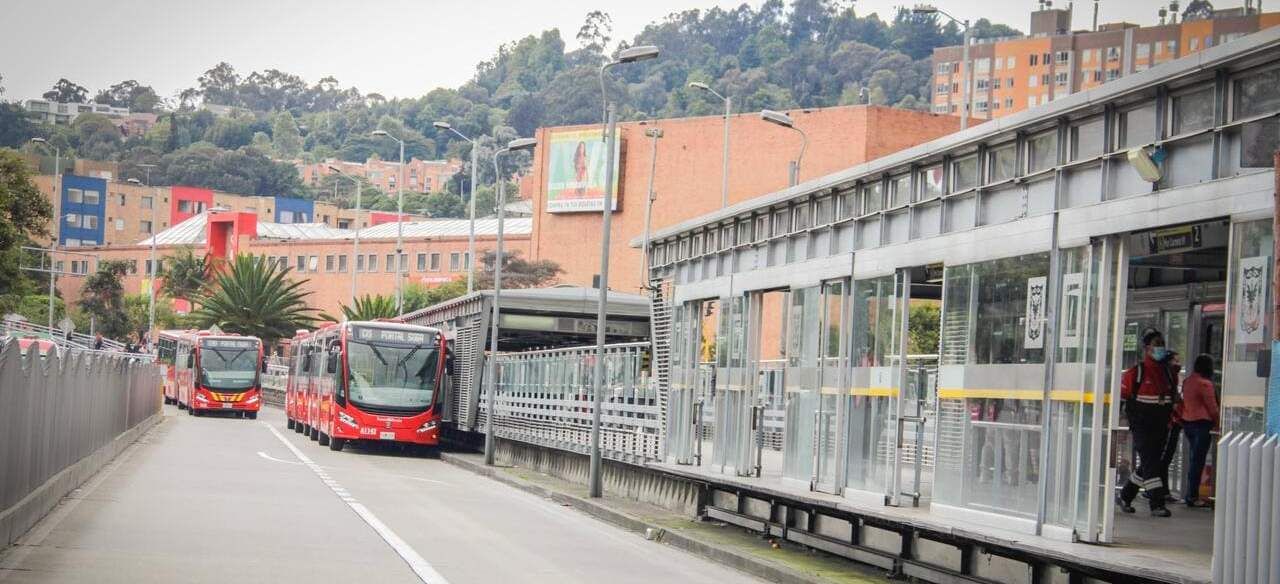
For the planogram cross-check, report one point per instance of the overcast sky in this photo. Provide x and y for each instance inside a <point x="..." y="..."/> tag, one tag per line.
<point x="399" y="48"/>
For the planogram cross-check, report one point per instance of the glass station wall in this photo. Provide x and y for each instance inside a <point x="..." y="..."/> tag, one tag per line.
<point x="990" y="390"/>
<point x="1249" y="310"/>
<point x="873" y="387"/>
<point x="801" y="379"/>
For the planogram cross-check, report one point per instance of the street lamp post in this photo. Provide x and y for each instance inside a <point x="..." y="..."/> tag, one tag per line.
<point x="654" y="134"/>
<point x="57" y="188"/>
<point x="471" y="232"/>
<point x="724" y="164"/>
<point x="400" y="261"/>
<point x="355" y="241"/>
<point x="631" y="55"/>
<point x="155" y="269"/>
<point x="964" y="56"/>
<point x="491" y="373"/>
<point x="784" y="120"/>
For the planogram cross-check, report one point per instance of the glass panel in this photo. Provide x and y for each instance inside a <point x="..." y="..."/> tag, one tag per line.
<point x="771" y="342"/>
<point x="990" y="385"/>
<point x="899" y="190"/>
<point x="1248" y="326"/>
<point x="1042" y="151"/>
<point x="801" y="383"/>
<point x="964" y="173"/>
<point x="930" y="183"/>
<point x="1256" y="94"/>
<point x="1004" y="163"/>
<point x="832" y="383"/>
<point x="872" y="388"/>
<point x="1137" y="127"/>
<point x="872" y="198"/>
<point x="1193" y="111"/>
<point x="1086" y="139"/>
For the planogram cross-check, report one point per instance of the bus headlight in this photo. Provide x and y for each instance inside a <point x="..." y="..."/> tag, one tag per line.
<point x="346" y="418"/>
<point x="429" y="426"/>
<point x="252" y="400"/>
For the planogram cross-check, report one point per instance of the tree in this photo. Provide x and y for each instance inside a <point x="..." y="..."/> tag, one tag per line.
<point x="185" y="275"/>
<point x="517" y="272"/>
<point x="923" y="324"/>
<point x="254" y="297"/>
<point x="368" y="307"/>
<point x="137" y="308"/>
<point x="102" y="297"/>
<point x="129" y="94"/>
<point x="285" y="136"/>
<point x="24" y="214"/>
<point x="15" y="129"/>
<point x="417" y="296"/>
<point x="445" y="205"/>
<point x="65" y="91"/>
<point x="220" y="85"/>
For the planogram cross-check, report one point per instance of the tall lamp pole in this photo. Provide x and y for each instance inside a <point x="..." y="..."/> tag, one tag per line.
<point x="400" y="260"/>
<point x="57" y="194"/>
<point x="724" y="164"/>
<point x="654" y="134"/>
<point x="155" y="268"/>
<point x="491" y="373"/>
<point x="784" y="120"/>
<point x="471" y="232"/>
<point x="355" y="240"/>
<point x="631" y="55"/>
<point x="964" y="56"/>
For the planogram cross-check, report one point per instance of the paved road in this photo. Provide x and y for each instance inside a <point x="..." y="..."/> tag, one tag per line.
<point x="220" y="500"/>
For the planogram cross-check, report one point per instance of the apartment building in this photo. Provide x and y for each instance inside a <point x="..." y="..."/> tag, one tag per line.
<point x="55" y="112"/>
<point x="1013" y="74"/>
<point x="421" y="176"/>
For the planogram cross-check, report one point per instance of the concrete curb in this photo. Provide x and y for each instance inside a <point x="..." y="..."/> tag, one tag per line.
<point x="721" y="555"/>
<point x="23" y="515"/>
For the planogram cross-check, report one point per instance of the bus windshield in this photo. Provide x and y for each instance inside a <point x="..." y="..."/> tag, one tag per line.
<point x="229" y="364"/>
<point x="395" y="376"/>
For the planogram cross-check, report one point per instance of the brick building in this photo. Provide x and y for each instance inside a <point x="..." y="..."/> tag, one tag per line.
<point x="421" y="176"/>
<point x="688" y="178"/>
<point x="1013" y="74"/>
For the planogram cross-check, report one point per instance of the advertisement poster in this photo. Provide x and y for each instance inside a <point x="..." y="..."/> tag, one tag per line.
<point x="575" y="172"/>
<point x="1034" y="336"/>
<point x="1072" y="310"/>
<point x="1251" y="299"/>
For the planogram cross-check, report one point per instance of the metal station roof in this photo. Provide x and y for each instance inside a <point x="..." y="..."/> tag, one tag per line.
<point x="192" y="231"/>
<point x="558" y="299"/>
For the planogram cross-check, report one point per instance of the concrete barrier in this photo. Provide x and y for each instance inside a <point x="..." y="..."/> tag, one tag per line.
<point x="63" y="419"/>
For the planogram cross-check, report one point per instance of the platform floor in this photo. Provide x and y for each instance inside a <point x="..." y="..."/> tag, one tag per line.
<point x="1178" y="549"/>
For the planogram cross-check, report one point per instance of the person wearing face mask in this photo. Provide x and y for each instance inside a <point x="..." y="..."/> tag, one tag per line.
<point x="1149" y="392"/>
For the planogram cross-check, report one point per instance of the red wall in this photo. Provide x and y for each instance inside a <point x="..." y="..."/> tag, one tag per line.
<point x="193" y="194"/>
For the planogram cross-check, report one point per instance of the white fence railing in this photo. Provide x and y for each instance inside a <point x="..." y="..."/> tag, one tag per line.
<point x="545" y="398"/>
<point x="1246" y="523"/>
<point x="277" y="374"/>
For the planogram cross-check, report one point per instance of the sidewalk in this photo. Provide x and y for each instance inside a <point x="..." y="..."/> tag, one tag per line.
<point x="725" y="544"/>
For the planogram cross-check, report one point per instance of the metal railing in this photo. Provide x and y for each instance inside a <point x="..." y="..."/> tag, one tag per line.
<point x="20" y="328"/>
<point x="277" y="374"/>
<point x="545" y="398"/>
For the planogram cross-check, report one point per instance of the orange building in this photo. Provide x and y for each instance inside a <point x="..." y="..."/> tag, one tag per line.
<point x="420" y="176"/>
<point x="435" y="252"/>
<point x="1012" y="74"/>
<point x="688" y="178"/>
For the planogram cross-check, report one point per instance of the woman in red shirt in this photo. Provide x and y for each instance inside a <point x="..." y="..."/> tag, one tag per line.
<point x="1199" y="418"/>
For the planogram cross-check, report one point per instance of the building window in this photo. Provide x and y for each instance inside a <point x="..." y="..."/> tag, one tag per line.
<point x="1113" y="74"/>
<point x="930" y="181"/>
<point x="1009" y="83"/>
<point x="119" y="224"/>
<point x="800" y="217"/>
<point x="147" y="202"/>
<point x="404" y="263"/>
<point x="983" y="84"/>
<point x="313" y="263"/>
<point x="1045" y="59"/>
<point x="981" y="106"/>
<point x="872" y="197"/>
<point x="1087" y="139"/>
<point x="1033" y="60"/>
<point x="1060" y="79"/>
<point x="435" y="262"/>
<point x="1064" y="56"/>
<point x="744" y="232"/>
<point x="360" y="263"/>
<point x="422" y="262"/>
<point x="995" y="83"/>
<point x="762" y="227"/>
<point x="726" y="236"/>
<point x="899" y="190"/>
<point x="329" y="263"/>
<point x="1033" y="81"/>
<point x="75" y="196"/>
<point x="944" y="68"/>
<point x="1009" y="62"/>
<point x="1008" y="102"/>
<point x="301" y="265"/>
<point x="390" y="265"/>
<point x="455" y="261"/>
<point x="942" y="88"/>
<point x="1003" y="163"/>
<point x="121" y="196"/>
<point x="964" y="173"/>
<point x="342" y="263"/>
<point x="1044" y="79"/>
<point x="1256" y="95"/>
<point x="1042" y="151"/>
<point x="1113" y="54"/>
<point x="1143" y="51"/>
<point x="781" y="226"/>
<point x="1097" y="75"/>
<point x="372" y="264"/>
<point x="184" y="206"/>
<point x="1193" y="111"/>
<point x="91" y="197"/>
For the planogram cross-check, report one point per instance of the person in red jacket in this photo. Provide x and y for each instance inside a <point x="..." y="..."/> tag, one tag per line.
<point x="1199" y="418"/>
<point x="1149" y="393"/>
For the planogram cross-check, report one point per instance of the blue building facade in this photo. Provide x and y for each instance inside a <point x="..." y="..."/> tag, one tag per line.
<point x="82" y="210"/>
<point x="289" y="210"/>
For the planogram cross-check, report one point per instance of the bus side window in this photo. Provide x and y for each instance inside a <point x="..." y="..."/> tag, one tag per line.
<point x="448" y="357"/>
<point x="331" y="365"/>
<point x="191" y="360"/>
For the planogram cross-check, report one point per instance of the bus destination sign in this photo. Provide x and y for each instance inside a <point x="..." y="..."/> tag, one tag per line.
<point x="229" y="343"/>
<point x="387" y="335"/>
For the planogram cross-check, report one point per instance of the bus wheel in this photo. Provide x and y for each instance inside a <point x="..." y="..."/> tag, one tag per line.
<point x="323" y="439"/>
<point x="297" y="427"/>
<point x="289" y="424"/>
<point x="336" y="444"/>
<point x="314" y="434"/>
<point x="181" y="406"/>
<point x="251" y="415"/>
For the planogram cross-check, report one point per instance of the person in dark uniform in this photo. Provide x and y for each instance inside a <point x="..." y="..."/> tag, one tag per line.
<point x="1149" y="393"/>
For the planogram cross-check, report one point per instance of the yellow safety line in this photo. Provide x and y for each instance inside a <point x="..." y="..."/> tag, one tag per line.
<point x="1065" y="395"/>
<point x="874" y="391"/>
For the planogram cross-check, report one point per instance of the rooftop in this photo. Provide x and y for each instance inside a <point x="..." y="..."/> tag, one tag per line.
<point x="193" y="230"/>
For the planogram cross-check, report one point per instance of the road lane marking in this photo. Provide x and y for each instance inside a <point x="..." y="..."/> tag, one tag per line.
<point x="416" y="562"/>
<point x="403" y="476"/>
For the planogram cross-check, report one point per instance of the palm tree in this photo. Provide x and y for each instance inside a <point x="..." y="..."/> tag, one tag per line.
<point x="186" y="275"/>
<point x="251" y="296"/>
<point x="368" y="307"/>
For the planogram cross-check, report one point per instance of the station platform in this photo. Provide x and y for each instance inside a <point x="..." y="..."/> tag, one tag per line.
<point x="1149" y="549"/>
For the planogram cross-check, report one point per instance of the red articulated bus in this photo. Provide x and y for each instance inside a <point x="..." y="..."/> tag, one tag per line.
<point x="370" y="380"/>
<point x="219" y="372"/>
<point x="166" y="353"/>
